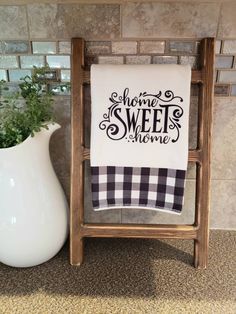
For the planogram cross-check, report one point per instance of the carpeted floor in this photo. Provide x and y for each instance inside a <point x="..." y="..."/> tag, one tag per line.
<point x="127" y="276"/>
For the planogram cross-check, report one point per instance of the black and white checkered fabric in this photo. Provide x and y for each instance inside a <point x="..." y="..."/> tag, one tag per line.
<point x="154" y="188"/>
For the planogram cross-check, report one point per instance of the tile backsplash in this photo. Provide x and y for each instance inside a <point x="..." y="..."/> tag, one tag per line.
<point x="129" y="32"/>
<point x="21" y="55"/>
<point x="17" y="59"/>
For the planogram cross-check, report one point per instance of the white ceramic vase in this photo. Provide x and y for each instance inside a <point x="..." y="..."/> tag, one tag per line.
<point x="33" y="207"/>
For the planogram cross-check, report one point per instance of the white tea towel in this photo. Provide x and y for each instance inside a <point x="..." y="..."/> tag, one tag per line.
<point x="139" y="135"/>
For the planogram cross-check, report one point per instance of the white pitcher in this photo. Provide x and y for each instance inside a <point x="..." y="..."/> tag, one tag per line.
<point x="33" y="207"/>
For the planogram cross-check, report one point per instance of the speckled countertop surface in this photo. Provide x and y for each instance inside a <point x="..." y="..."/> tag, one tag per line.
<point x="127" y="276"/>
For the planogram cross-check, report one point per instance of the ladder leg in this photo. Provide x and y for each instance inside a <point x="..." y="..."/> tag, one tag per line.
<point x="203" y="175"/>
<point x="77" y="251"/>
<point x="201" y="253"/>
<point x="77" y="150"/>
<point x="195" y="254"/>
<point x="202" y="214"/>
<point x="76" y="240"/>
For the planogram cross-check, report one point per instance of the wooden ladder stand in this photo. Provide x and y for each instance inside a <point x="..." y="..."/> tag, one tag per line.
<point x="199" y="230"/>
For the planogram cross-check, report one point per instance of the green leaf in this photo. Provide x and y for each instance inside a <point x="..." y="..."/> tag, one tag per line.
<point x="18" y="118"/>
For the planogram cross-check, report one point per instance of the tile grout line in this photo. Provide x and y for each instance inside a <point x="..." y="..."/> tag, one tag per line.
<point x="219" y="18"/>
<point x="27" y="23"/>
<point x="121" y="19"/>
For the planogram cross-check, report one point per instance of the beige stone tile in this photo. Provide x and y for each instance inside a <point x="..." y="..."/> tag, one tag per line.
<point x="165" y="59"/>
<point x="233" y="90"/>
<point x="192" y="60"/>
<point x="92" y="21"/>
<point x="98" y="47"/>
<point x="13" y="24"/>
<point x="157" y="217"/>
<point x="187" y="47"/>
<point x="151" y="46"/>
<point x="65" y="184"/>
<point x="124" y="47"/>
<point x="169" y="19"/>
<point x="138" y="59"/>
<point x="193" y="122"/>
<point x="223" y="204"/>
<point x="221" y="90"/>
<point x="65" y="47"/>
<point x="224" y="143"/>
<point x="229" y="46"/>
<point x="225" y="62"/>
<point x="227" y="23"/>
<point x="111" y="59"/>
<point x="191" y="170"/>
<point x="227" y="76"/>
<point x="60" y="141"/>
<point x="43" y="20"/>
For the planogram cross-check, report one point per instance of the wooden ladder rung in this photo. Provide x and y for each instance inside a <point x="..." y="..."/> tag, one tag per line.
<point x="194" y="155"/>
<point x="139" y="231"/>
<point x="196" y="77"/>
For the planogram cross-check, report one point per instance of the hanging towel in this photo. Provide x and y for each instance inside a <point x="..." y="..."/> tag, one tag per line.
<point x="139" y="136"/>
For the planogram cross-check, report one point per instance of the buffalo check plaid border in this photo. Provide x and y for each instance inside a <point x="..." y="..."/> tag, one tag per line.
<point x="155" y="188"/>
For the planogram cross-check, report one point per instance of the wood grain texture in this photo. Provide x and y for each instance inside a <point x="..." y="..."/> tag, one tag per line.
<point x="77" y="143"/>
<point x="139" y="231"/>
<point x="199" y="231"/>
<point x="205" y="111"/>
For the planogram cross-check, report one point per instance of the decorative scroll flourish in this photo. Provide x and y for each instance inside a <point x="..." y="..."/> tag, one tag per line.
<point x="168" y="96"/>
<point x="112" y="129"/>
<point x="174" y="119"/>
<point x="144" y="118"/>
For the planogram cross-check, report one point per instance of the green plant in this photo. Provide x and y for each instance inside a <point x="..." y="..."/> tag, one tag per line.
<point x="27" y="111"/>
